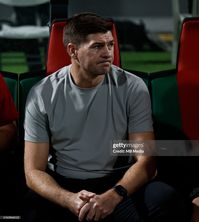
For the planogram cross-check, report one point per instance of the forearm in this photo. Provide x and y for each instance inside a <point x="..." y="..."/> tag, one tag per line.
<point x="8" y="135"/>
<point x="45" y="185"/>
<point x="138" y="174"/>
<point x="144" y="169"/>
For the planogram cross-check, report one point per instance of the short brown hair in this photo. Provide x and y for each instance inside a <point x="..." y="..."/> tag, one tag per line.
<point x="81" y="25"/>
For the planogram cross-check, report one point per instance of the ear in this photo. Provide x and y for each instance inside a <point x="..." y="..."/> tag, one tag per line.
<point x="72" y="50"/>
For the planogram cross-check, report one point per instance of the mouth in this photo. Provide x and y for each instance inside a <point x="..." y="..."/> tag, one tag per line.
<point x="107" y="62"/>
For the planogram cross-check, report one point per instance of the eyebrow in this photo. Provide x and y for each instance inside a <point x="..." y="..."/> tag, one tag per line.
<point x="102" y="42"/>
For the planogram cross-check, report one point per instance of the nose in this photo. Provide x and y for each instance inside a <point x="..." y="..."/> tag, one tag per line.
<point x="107" y="51"/>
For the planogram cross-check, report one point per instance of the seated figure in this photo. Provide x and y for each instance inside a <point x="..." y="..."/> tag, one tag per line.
<point x="8" y="117"/>
<point x="8" y="138"/>
<point x="74" y="115"/>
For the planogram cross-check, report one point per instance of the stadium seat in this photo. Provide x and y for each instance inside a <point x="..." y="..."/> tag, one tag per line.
<point x="188" y="78"/>
<point x="175" y="93"/>
<point x="178" y="17"/>
<point x="164" y="96"/>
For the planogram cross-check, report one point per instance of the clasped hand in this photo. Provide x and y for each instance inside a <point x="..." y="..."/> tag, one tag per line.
<point x="97" y="207"/>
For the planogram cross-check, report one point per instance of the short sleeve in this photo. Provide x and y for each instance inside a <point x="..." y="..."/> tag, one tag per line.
<point x="139" y="109"/>
<point x="36" y="120"/>
<point x="8" y="112"/>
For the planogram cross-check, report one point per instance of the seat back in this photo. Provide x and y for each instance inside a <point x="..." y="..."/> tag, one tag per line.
<point x="188" y="77"/>
<point x="165" y="101"/>
<point x="57" y="55"/>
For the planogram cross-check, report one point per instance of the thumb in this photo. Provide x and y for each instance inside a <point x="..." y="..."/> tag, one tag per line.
<point x="86" y="195"/>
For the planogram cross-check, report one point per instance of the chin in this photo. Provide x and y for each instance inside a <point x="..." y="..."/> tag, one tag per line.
<point x="105" y="70"/>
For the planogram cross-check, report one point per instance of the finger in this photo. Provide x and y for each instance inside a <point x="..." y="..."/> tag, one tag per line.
<point x="91" y="214"/>
<point x="85" y="199"/>
<point x="98" y="212"/>
<point x="97" y="216"/>
<point x="87" y="193"/>
<point x="83" y="211"/>
<point x="86" y="196"/>
<point x="80" y="205"/>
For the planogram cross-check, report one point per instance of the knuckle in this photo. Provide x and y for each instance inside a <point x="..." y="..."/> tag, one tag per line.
<point x="96" y="206"/>
<point x="105" y="212"/>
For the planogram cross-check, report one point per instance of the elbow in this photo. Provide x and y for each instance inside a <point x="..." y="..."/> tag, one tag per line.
<point x="28" y="180"/>
<point x="152" y="170"/>
<point x="29" y="177"/>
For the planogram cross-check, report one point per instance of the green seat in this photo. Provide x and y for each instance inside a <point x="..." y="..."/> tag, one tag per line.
<point x="165" y="105"/>
<point x="177" y="170"/>
<point x="165" y="101"/>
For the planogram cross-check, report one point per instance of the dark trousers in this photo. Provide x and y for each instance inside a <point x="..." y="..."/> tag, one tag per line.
<point x="154" y="202"/>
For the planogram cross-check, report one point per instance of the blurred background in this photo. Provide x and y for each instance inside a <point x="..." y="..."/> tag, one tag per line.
<point x="146" y="31"/>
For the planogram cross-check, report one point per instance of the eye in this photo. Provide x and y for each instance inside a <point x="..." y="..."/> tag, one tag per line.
<point x="97" y="46"/>
<point x="111" y="44"/>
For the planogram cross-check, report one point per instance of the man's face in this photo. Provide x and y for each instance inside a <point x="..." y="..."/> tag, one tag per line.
<point x="95" y="56"/>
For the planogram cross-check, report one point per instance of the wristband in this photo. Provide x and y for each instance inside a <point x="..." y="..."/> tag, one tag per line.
<point x="120" y="190"/>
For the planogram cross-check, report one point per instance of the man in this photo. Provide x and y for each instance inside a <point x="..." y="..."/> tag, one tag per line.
<point x="8" y="135"/>
<point x="74" y="115"/>
<point x="8" y="116"/>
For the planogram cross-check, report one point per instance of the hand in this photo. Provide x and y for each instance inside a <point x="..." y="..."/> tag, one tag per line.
<point x="78" y="200"/>
<point x="99" y="206"/>
<point x="196" y="201"/>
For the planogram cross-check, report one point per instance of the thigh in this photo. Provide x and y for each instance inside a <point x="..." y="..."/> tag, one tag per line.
<point x="161" y="203"/>
<point x="127" y="211"/>
<point x="155" y="202"/>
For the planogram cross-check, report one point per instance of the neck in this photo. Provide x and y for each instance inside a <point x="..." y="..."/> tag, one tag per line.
<point x="83" y="79"/>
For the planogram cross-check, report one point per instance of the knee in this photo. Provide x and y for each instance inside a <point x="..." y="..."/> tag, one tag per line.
<point x="164" y="201"/>
<point x="162" y="194"/>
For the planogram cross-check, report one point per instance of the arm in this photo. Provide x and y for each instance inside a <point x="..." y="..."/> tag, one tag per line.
<point x="143" y="170"/>
<point x="8" y="133"/>
<point x="36" y="158"/>
<point x="195" y="213"/>
<point x="135" y="177"/>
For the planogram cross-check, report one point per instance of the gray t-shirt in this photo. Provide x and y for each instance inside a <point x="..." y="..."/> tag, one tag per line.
<point x="81" y="123"/>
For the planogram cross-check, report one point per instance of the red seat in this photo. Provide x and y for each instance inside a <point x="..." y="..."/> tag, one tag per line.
<point x="188" y="77"/>
<point x="57" y="55"/>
